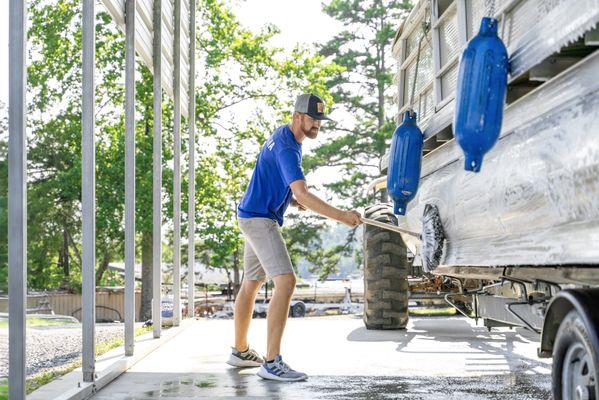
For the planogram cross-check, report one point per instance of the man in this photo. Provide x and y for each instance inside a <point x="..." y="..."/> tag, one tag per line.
<point x="277" y="180"/>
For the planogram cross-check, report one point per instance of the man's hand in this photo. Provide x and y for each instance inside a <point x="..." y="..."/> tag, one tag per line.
<point x="351" y="218"/>
<point x="294" y="203"/>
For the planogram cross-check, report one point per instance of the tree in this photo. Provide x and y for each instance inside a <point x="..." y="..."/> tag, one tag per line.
<point x="363" y="95"/>
<point x="54" y="78"/>
<point x="363" y="92"/>
<point x="242" y="68"/>
<point x="54" y="150"/>
<point x="239" y="66"/>
<point x="143" y="185"/>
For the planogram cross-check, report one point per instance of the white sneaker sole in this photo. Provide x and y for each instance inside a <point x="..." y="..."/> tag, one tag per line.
<point x="237" y="362"/>
<point x="264" y="374"/>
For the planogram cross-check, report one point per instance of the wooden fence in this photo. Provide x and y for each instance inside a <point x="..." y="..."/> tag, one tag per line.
<point x="110" y="305"/>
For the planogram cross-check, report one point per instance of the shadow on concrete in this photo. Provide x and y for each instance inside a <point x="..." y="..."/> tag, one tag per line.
<point x="497" y="345"/>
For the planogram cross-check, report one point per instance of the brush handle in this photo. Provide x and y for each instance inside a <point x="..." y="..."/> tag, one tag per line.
<point x="390" y="227"/>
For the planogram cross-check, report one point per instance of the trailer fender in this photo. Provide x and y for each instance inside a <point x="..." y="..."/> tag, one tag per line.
<point x="585" y="301"/>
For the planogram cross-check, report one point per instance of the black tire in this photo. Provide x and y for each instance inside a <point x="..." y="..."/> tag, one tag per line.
<point x="574" y="359"/>
<point x="298" y="310"/>
<point x="386" y="269"/>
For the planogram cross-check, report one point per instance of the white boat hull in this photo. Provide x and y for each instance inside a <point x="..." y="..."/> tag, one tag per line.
<point x="536" y="199"/>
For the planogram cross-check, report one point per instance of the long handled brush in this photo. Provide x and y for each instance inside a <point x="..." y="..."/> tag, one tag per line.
<point x="432" y="236"/>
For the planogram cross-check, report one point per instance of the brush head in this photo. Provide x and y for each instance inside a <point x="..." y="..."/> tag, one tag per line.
<point x="433" y="238"/>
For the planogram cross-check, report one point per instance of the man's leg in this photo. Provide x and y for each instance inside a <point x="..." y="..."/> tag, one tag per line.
<point x="269" y="247"/>
<point x="278" y="310"/>
<point x="244" y="308"/>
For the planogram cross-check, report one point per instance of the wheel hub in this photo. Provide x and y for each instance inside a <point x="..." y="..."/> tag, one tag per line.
<point x="578" y="374"/>
<point x="582" y="393"/>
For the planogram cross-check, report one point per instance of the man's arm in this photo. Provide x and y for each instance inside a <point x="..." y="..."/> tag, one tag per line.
<point x="309" y="200"/>
<point x="296" y="204"/>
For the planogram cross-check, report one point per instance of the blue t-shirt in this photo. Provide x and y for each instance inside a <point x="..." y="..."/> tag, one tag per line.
<point x="279" y="163"/>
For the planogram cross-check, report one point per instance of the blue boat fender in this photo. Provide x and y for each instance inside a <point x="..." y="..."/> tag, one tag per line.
<point x="480" y="94"/>
<point x="405" y="159"/>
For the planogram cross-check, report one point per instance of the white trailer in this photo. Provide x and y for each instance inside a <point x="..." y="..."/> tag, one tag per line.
<point x="521" y="236"/>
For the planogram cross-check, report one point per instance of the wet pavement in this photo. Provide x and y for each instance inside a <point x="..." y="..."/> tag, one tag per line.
<point x="436" y="358"/>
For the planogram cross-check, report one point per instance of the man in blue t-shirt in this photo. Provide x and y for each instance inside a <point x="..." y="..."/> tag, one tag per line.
<point x="277" y="181"/>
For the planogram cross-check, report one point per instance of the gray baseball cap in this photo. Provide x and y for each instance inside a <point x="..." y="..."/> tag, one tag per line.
<point x="312" y="105"/>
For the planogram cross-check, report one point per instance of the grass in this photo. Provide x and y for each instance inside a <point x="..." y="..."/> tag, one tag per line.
<point x="39" y="380"/>
<point x="37" y="321"/>
<point x="42" y="378"/>
<point x="102" y="348"/>
<point x="206" y="384"/>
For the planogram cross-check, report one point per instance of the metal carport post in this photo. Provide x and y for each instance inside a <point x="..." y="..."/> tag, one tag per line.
<point x="191" y="110"/>
<point x="17" y="200"/>
<point x="130" y="176"/>
<point x="177" y="168"/>
<point x="88" y="194"/>
<point x="157" y="173"/>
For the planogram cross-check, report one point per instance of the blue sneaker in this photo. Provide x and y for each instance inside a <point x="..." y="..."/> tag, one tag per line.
<point x="248" y="358"/>
<point x="278" y="370"/>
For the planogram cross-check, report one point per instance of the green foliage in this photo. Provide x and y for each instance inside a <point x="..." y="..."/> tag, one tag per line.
<point x="37" y="321"/>
<point x="242" y="68"/>
<point x="54" y="161"/>
<point x="238" y="66"/>
<point x="302" y="235"/>
<point x="54" y="149"/>
<point x="363" y="92"/>
<point x="305" y="239"/>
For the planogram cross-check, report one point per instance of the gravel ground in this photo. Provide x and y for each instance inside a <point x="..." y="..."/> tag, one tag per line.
<point x="55" y="346"/>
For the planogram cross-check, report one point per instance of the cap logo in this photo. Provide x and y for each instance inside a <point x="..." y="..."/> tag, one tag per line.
<point x="320" y="107"/>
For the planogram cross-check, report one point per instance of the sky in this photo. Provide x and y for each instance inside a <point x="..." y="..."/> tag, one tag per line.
<point x="300" y="21"/>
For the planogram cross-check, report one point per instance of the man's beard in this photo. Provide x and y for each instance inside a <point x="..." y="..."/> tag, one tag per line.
<point x="312" y="133"/>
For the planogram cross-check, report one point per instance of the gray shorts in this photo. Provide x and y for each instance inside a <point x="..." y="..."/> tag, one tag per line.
<point x="265" y="253"/>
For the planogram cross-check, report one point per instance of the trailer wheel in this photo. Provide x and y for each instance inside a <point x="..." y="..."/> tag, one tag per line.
<point x="386" y="269"/>
<point x="575" y="364"/>
<point x="298" y="310"/>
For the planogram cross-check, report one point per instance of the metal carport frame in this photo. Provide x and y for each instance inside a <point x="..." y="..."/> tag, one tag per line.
<point x="164" y="40"/>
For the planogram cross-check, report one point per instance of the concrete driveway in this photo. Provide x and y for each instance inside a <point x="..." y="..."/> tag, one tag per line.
<point x="436" y="358"/>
